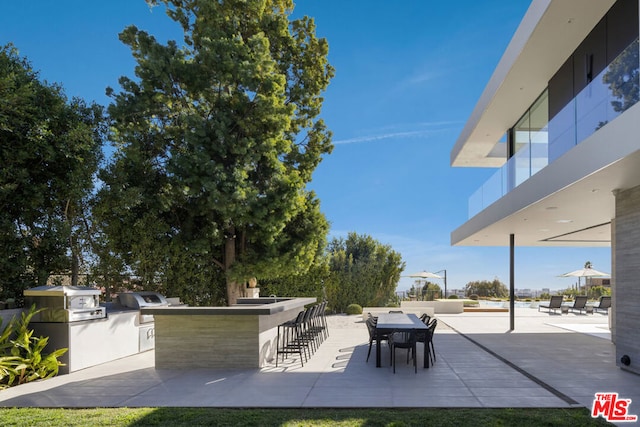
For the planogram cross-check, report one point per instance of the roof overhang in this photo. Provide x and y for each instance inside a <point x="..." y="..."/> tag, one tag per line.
<point x="548" y="34"/>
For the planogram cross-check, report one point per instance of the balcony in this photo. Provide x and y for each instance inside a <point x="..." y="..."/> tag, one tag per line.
<point x="540" y="142"/>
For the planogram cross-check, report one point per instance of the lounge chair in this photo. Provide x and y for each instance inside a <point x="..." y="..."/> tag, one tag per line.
<point x="580" y="304"/>
<point x="604" y="305"/>
<point x="554" y="304"/>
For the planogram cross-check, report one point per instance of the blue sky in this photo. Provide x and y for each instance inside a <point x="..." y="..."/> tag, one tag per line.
<point x="408" y="75"/>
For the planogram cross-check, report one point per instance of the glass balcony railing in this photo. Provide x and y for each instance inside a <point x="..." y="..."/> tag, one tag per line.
<point x="610" y="93"/>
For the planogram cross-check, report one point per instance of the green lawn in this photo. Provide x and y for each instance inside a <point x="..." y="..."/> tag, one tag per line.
<point x="176" y="417"/>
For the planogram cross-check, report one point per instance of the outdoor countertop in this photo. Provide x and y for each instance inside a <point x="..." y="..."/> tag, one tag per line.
<point x="265" y="308"/>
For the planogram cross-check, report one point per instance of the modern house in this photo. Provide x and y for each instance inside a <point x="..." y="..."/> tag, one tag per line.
<point x="559" y="120"/>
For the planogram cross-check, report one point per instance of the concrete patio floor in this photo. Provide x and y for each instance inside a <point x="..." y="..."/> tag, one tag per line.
<point x="548" y="361"/>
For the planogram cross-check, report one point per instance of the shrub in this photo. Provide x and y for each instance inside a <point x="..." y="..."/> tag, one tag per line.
<point x="21" y="357"/>
<point x="354" y="309"/>
<point x="453" y="296"/>
<point x="474" y="297"/>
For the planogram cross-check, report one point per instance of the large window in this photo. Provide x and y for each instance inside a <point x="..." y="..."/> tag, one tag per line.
<point x="530" y="142"/>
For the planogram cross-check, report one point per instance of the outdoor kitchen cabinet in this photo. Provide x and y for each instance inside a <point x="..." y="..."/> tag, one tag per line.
<point x="93" y="333"/>
<point x="93" y="342"/>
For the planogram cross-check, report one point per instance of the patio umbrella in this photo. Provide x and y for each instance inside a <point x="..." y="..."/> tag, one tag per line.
<point x="425" y="275"/>
<point x="584" y="272"/>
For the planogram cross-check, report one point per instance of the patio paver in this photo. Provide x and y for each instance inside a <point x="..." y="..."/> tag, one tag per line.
<point x="549" y="365"/>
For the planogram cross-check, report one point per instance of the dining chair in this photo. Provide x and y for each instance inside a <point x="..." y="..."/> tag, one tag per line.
<point x="426" y="336"/>
<point x="373" y="333"/>
<point x="403" y="340"/>
<point x="431" y="327"/>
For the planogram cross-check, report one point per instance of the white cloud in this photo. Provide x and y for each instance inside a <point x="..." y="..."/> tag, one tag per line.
<point x="424" y="130"/>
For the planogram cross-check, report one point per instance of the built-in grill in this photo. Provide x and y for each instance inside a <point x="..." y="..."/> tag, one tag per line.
<point x="140" y="300"/>
<point x="63" y="304"/>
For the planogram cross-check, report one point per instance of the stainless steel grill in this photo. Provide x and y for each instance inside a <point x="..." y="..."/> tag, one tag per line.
<point x="142" y="299"/>
<point x="64" y="304"/>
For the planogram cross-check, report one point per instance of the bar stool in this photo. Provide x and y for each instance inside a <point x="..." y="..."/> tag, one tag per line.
<point x="291" y="339"/>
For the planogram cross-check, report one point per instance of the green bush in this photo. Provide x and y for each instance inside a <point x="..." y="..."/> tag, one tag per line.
<point x="353" y="309"/>
<point x="453" y="297"/>
<point x="21" y="357"/>
<point x="474" y="297"/>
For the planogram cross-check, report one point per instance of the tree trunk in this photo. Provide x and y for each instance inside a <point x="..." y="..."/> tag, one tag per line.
<point x="75" y="264"/>
<point x="234" y="290"/>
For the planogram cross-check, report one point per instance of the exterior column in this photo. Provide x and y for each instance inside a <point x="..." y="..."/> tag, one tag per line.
<point x="626" y="292"/>
<point x="612" y="313"/>
<point x="512" y="286"/>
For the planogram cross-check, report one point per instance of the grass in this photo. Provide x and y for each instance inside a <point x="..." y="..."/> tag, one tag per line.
<point x="176" y="417"/>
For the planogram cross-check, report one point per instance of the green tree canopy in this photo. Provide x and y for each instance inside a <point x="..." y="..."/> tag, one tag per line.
<point x="216" y="139"/>
<point x="363" y="271"/>
<point x="486" y="288"/>
<point x="50" y="151"/>
<point x="310" y="283"/>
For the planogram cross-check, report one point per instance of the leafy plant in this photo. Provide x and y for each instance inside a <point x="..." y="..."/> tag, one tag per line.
<point x="353" y="309"/>
<point x="362" y="270"/>
<point x="21" y="354"/>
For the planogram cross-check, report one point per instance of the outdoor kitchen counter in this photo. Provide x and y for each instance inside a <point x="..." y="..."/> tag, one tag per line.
<point x="240" y="336"/>
<point x="97" y="341"/>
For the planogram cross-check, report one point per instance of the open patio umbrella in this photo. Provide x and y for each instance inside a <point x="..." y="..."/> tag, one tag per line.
<point x="584" y="272"/>
<point x="425" y="275"/>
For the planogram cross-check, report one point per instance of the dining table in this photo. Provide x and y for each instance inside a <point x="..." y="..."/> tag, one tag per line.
<point x="396" y="322"/>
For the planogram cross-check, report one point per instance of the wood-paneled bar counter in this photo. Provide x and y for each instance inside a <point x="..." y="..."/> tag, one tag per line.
<point x="240" y="336"/>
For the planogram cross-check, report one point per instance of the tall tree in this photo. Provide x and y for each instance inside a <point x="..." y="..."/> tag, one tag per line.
<point x="217" y="139"/>
<point x="50" y="149"/>
<point x="363" y="271"/>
